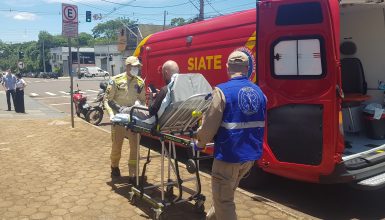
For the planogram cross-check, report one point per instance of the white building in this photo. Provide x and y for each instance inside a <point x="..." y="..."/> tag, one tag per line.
<point x="109" y="58"/>
<point x="59" y="58"/>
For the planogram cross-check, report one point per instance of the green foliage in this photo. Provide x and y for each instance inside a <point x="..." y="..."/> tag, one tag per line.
<point x="33" y="51"/>
<point x="178" y="22"/>
<point x="107" y="31"/>
<point x="181" y="21"/>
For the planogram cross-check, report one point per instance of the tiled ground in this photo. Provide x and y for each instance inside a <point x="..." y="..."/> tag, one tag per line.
<point x="50" y="171"/>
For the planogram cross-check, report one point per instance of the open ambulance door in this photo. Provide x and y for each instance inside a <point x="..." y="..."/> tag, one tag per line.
<point x="298" y="69"/>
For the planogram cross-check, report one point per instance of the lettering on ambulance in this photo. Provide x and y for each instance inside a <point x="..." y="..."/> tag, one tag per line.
<point x="212" y="62"/>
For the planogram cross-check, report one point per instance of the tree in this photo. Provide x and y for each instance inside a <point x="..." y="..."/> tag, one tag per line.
<point x="181" y="21"/>
<point x="178" y="22"/>
<point x="86" y="40"/>
<point x="108" y="30"/>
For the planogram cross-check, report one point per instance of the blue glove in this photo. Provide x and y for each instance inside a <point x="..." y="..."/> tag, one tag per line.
<point x="194" y="146"/>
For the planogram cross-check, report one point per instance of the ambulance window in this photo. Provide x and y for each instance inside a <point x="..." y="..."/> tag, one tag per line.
<point x="302" y="13"/>
<point x="300" y="57"/>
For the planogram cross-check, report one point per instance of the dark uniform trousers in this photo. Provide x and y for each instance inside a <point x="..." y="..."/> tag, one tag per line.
<point x="19" y="101"/>
<point x="9" y="93"/>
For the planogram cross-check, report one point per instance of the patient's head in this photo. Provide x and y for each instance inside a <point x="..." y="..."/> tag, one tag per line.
<point x="169" y="68"/>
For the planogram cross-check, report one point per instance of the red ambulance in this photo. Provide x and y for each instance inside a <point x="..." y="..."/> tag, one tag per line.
<point x="318" y="62"/>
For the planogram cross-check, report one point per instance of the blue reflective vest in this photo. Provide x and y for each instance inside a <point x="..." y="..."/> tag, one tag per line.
<point x="240" y="136"/>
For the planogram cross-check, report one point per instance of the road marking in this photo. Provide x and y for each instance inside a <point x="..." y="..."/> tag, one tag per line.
<point x="90" y="90"/>
<point x="33" y="94"/>
<point x="2" y="92"/>
<point x="66" y="103"/>
<point x="50" y="93"/>
<point x="65" y="93"/>
<point x="37" y="81"/>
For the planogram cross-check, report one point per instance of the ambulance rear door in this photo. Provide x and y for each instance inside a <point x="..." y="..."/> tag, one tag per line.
<point x="298" y="70"/>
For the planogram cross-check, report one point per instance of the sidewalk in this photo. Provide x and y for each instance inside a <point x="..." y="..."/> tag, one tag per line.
<point x="50" y="171"/>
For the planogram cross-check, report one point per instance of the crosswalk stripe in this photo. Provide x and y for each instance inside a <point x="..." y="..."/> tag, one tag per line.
<point x="50" y="93"/>
<point x="90" y="90"/>
<point x="65" y="93"/>
<point x="67" y="103"/>
<point x="33" y="94"/>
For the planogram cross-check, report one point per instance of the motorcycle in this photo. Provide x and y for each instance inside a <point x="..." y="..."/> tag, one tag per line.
<point x="80" y="101"/>
<point x="95" y="113"/>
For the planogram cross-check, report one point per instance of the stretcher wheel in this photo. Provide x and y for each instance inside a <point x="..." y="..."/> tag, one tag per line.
<point x="169" y="192"/>
<point x="190" y="166"/>
<point x="199" y="206"/>
<point x="158" y="214"/>
<point x="130" y="196"/>
<point x="134" y="200"/>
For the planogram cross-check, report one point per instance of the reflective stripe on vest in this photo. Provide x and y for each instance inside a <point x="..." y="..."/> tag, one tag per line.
<point x="242" y="125"/>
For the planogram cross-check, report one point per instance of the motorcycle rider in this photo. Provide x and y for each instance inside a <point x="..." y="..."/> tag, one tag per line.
<point x="124" y="89"/>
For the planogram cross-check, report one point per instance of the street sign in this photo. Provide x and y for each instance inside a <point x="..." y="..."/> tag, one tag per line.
<point x="69" y="20"/>
<point x="20" y="64"/>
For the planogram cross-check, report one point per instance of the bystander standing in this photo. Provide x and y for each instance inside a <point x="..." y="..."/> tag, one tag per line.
<point x="9" y="83"/>
<point x="19" y="97"/>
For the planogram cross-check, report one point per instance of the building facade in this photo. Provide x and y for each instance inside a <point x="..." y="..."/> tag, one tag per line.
<point x="59" y="57"/>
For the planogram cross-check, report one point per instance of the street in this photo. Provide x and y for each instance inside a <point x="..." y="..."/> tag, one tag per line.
<point x="56" y="92"/>
<point x="304" y="199"/>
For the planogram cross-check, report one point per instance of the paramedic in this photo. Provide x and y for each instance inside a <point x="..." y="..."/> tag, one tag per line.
<point x="235" y="121"/>
<point x="125" y="89"/>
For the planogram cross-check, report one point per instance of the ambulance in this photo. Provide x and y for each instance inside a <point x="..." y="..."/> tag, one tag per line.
<point x="320" y="63"/>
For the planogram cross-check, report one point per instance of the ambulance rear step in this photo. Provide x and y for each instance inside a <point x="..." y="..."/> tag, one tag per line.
<point x="373" y="182"/>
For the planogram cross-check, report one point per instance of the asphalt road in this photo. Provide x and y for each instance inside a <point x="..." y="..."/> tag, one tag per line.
<point x="318" y="201"/>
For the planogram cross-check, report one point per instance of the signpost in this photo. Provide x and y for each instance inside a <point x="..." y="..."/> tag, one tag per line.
<point x="70" y="29"/>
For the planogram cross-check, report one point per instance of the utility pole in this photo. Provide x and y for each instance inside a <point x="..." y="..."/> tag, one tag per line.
<point x="44" y="58"/>
<point x="79" y="57"/>
<point x="164" y="20"/>
<point x="201" y="10"/>
<point x="72" y="80"/>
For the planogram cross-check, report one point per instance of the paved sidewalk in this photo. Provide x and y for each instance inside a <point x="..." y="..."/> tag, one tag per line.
<point x="50" y="171"/>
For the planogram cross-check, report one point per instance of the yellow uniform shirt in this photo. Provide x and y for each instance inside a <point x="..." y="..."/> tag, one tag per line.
<point x="124" y="90"/>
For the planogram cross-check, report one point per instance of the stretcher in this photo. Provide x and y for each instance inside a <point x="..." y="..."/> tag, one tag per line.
<point x="177" y="125"/>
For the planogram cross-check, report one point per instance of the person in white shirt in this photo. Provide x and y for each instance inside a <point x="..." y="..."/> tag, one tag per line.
<point x="19" y="97"/>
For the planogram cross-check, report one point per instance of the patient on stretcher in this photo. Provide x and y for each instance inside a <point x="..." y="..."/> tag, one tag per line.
<point x="180" y="88"/>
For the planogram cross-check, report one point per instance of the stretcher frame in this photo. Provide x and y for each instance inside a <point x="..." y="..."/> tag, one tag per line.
<point x="182" y="122"/>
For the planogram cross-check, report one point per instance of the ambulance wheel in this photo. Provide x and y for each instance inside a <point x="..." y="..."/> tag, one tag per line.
<point x="255" y="178"/>
<point x="190" y="166"/>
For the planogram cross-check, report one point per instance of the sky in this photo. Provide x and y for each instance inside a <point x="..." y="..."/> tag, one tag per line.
<point x="21" y="20"/>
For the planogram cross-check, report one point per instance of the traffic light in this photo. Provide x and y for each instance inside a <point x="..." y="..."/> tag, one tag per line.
<point x="88" y="16"/>
<point x="21" y="55"/>
<point x="110" y="57"/>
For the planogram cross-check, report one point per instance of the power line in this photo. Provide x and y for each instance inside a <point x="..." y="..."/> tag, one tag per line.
<point x="208" y="2"/>
<point x="137" y="6"/>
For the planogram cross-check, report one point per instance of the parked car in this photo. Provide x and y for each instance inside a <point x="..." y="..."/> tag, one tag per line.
<point x="42" y="75"/>
<point x="52" y="75"/>
<point x="95" y="71"/>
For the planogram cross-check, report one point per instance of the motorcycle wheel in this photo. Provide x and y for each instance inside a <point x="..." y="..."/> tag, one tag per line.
<point x="95" y="115"/>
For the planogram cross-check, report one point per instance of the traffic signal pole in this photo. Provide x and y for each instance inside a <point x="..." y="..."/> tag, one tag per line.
<point x="44" y="58"/>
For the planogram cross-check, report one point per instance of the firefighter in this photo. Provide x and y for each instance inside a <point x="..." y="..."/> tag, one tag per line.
<point x="125" y="89"/>
<point x="235" y="121"/>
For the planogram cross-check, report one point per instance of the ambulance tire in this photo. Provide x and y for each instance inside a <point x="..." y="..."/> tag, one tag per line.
<point x="255" y="178"/>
